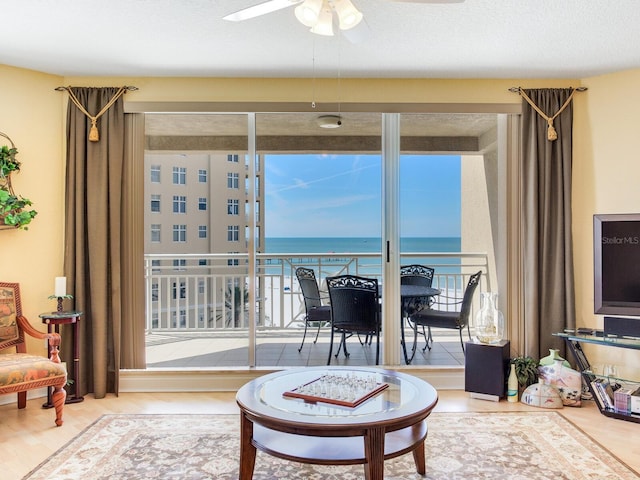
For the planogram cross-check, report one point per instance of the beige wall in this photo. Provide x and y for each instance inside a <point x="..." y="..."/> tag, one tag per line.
<point x="326" y="90"/>
<point x="606" y="172"/>
<point x="32" y="113"/>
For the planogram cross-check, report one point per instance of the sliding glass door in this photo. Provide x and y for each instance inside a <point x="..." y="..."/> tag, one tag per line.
<point x="448" y="200"/>
<point x="322" y="216"/>
<point x="236" y="203"/>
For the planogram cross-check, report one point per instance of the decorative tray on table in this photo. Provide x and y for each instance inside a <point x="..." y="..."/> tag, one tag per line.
<point x="345" y="390"/>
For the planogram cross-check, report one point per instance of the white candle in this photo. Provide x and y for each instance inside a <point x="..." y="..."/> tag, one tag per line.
<point x="61" y="286"/>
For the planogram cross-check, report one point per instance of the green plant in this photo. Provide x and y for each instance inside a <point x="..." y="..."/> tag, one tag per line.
<point x="8" y="162"/>
<point x="236" y="305"/>
<point x="526" y="370"/>
<point x="13" y="208"/>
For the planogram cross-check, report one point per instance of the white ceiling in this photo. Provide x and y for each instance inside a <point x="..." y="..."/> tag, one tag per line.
<point x="474" y="39"/>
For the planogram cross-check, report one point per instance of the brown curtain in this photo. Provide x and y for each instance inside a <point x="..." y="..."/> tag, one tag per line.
<point x="549" y="304"/>
<point x="93" y="243"/>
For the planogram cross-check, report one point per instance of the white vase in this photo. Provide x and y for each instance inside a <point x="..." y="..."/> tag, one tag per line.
<point x="512" y="385"/>
<point x="489" y="321"/>
<point x="552" y="357"/>
<point x="567" y="380"/>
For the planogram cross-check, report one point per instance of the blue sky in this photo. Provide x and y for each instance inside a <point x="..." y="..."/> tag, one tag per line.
<point x="328" y="195"/>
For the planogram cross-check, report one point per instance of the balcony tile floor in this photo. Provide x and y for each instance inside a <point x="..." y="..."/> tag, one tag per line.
<point x="280" y="349"/>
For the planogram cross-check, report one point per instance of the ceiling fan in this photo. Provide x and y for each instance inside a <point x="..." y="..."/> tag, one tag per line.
<point x="316" y="14"/>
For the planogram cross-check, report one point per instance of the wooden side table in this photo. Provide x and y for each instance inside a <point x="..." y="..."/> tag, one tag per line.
<point x="53" y="320"/>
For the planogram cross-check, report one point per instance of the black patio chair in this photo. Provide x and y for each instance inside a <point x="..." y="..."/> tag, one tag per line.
<point x="417" y="275"/>
<point x="456" y="320"/>
<point x="355" y="308"/>
<point x="316" y="314"/>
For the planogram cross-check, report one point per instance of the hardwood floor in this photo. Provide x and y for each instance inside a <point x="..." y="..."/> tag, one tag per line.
<point x="29" y="436"/>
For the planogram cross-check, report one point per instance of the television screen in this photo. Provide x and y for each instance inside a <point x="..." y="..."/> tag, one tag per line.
<point x="617" y="264"/>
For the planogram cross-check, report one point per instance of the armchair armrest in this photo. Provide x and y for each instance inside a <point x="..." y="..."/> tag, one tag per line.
<point x="54" y="338"/>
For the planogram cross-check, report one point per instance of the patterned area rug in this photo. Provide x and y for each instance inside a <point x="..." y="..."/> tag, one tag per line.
<point x="529" y="445"/>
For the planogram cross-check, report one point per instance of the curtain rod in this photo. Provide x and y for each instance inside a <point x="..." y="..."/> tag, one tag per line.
<point x="517" y="89"/>
<point x="127" y="87"/>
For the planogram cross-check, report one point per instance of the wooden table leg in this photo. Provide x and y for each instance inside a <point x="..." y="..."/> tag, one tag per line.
<point x="418" y="458"/>
<point x="374" y="454"/>
<point x="247" y="449"/>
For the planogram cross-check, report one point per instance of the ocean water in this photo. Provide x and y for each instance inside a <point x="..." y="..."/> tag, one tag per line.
<point x="355" y="245"/>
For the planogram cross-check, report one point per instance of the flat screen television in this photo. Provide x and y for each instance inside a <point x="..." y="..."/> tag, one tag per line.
<point x="616" y="242"/>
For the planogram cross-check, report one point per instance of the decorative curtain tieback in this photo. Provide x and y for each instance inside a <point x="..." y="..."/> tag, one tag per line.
<point x="94" y="136"/>
<point x="551" y="131"/>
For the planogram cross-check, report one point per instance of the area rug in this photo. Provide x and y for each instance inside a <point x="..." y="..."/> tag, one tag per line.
<point x="529" y="445"/>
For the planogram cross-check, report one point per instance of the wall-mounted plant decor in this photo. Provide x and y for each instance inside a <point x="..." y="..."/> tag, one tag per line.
<point x="13" y="208"/>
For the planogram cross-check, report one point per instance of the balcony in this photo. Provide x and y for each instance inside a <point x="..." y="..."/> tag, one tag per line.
<point x="198" y="308"/>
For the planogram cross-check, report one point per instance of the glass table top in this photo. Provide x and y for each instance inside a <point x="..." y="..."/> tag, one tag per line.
<point x="405" y="394"/>
<point x="57" y="315"/>
<point x="611" y="341"/>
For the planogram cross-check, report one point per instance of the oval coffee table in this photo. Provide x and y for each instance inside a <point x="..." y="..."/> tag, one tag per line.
<point x="389" y="424"/>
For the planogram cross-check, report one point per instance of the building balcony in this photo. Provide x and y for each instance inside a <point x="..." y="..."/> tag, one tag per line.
<point x="198" y="314"/>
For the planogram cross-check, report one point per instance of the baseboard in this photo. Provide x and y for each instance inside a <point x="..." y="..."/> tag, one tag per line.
<point x="215" y="380"/>
<point x="31" y="394"/>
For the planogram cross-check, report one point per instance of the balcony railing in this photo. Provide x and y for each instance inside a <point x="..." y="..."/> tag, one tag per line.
<point x="209" y="292"/>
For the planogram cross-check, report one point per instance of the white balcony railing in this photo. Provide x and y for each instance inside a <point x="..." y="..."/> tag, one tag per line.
<point x="209" y="292"/>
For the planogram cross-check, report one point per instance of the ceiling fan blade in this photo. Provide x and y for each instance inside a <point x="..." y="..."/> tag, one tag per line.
<point x="260" y="9"/>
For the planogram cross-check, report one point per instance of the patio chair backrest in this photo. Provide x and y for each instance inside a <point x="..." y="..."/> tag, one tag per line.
<point x="354" y="304"/>
<point x="309" y="286"/>
<point x="416" y="275"/>
<point x="465" y="308"/>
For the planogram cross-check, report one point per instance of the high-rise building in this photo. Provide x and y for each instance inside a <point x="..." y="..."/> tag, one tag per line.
<point x="198" y="204"/>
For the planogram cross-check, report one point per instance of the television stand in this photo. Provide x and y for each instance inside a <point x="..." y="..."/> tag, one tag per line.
<point x="574" y="341"/>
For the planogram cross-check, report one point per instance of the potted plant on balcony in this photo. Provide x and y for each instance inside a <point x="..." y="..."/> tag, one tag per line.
<point x="13" y="208"/>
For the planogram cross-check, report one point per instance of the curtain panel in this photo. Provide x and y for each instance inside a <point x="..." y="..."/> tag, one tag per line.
<point x="93" y="241"/>
<point x="549" y="303"/>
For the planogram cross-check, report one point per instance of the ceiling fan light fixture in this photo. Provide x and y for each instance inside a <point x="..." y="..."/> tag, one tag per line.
<point x="324" y="25"/>
<point x="329" y="121"/>
<point x="308" y="12"/>
<point x="348" y="15"/>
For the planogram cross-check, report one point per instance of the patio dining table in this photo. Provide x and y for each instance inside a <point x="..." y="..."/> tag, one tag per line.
<point x="414" y="298"/>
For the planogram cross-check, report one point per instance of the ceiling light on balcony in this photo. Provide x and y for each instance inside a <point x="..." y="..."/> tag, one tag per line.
<point x="329" y="121"/>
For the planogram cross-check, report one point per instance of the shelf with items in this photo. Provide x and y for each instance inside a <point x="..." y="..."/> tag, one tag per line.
<point x="603" y="387"/>
<point x="598" y="338"/>
<point x="613" y="396"/>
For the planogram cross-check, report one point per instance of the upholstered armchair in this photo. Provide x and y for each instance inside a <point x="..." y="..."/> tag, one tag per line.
<point x="20" y="371"/>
